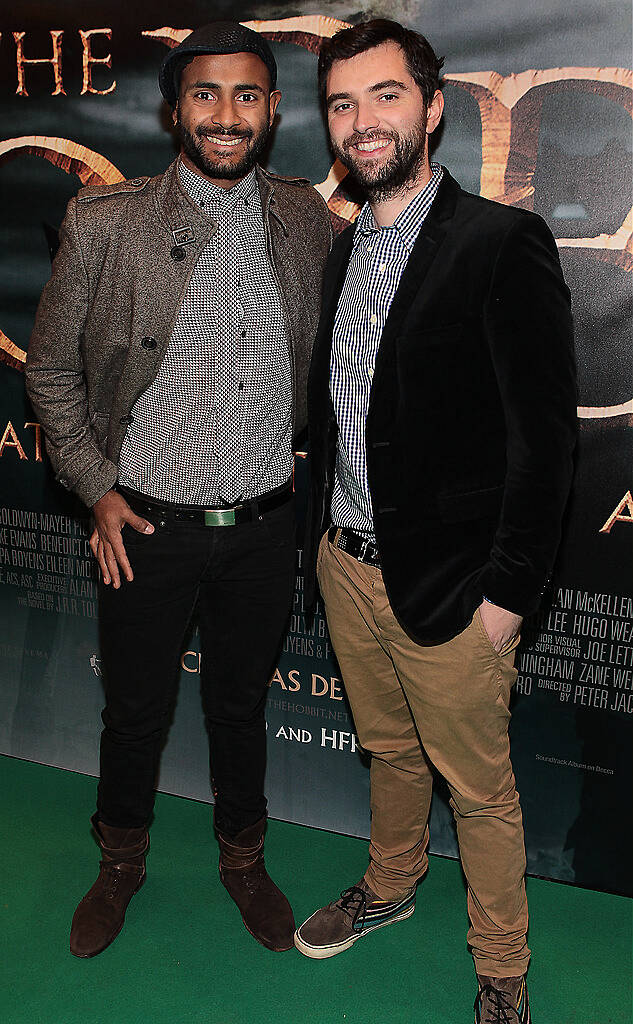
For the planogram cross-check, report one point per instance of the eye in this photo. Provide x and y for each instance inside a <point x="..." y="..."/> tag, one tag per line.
<point x="247" y="97"/>
<point x="341" y="107"/>
<point x="389" y="96"/>
<point x="204" y="94"/>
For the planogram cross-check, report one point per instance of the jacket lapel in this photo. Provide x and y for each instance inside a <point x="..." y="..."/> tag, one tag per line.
<point x="187" y="225"/>
<point x="426" y="247"/>
<point x="333" y="281"/>
<point x="282" y="255"/>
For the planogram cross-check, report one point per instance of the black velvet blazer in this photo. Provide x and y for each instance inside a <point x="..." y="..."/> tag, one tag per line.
<point x="472" y="416"/>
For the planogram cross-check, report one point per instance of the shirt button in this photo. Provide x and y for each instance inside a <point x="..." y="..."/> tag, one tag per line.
<point x="373" y="319"/>
<point x="370" y="372"/>
<point x="381" y="268"/>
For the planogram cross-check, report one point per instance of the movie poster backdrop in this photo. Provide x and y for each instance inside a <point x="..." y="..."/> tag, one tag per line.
<point x="538" y="115"/>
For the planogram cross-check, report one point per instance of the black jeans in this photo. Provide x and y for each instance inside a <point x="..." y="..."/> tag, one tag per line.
<point x="241" y="581"/>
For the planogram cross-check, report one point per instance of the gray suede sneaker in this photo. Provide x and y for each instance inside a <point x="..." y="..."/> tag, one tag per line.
<point x="355" y="913"/>
<point x="502" y="1001"/>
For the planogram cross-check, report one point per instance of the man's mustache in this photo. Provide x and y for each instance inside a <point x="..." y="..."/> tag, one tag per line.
<point x="219" y="132"/>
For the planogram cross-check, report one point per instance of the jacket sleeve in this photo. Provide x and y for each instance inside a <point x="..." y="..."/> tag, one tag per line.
<point x="529" y="331"/>
<point x="55" y="379"/>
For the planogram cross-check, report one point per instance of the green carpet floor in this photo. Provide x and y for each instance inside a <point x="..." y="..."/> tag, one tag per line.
<point x="184" y="956"/>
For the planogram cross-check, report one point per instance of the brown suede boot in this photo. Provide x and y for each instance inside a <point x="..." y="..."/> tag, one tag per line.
<point x="264" y="908"/>
<point x="99" y="917"/>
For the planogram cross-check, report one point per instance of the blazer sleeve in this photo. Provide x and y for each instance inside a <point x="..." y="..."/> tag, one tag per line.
<point x="529" y="330"/>
<point x="54" y="373"/>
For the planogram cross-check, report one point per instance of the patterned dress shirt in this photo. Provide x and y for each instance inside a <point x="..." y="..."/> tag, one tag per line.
<point x="215" y="426"/>
<point x="377" y="262"/>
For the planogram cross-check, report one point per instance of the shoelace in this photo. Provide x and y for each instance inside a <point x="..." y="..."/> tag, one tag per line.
<point x="501" y="1011"/>
<point x="353" y="902"/>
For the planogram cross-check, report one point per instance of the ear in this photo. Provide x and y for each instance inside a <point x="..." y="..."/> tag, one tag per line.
<point x="273" y="101"/>
<point x="434" y="112"/>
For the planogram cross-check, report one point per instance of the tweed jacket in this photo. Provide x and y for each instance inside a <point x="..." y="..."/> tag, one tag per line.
<point x="105" y="318"/>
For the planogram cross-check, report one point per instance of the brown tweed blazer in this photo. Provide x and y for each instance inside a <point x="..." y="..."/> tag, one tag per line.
<point x="107" y="313"/>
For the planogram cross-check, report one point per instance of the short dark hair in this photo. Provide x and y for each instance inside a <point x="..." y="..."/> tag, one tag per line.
<point x="422" y="63"/>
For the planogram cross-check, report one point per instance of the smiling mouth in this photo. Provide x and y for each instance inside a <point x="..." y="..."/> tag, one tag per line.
<point x="224" y="142"/>
<point x="375" y="146"/>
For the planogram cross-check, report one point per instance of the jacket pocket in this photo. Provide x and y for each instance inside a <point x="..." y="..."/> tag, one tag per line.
<point x="100" y="421"/>
<point x="458" y="508"/>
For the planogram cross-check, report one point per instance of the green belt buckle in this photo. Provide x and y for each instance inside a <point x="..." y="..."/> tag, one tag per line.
<point x="219" y="517"/>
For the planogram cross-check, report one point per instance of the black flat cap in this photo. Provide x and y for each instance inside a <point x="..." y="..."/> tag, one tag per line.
<point x="218" y="37"/>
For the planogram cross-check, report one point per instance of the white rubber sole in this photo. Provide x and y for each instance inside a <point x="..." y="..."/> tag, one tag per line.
<point x="323" y="952"/>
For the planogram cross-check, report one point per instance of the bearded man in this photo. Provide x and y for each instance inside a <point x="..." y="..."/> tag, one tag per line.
<point x="167" y="366"/>
<point x="442" y="412"/>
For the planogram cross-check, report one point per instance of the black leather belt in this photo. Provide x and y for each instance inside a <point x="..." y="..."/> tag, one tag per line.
<point x="234" y="515"/>
<point x="355" y="545"/>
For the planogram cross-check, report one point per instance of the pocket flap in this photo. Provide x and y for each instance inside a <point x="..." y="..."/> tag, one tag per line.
<point x="456" y="508"/>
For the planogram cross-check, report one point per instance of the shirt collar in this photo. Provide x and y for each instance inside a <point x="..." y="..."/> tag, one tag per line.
<point x="410" y="220"/>
<point x="212" y="198"/>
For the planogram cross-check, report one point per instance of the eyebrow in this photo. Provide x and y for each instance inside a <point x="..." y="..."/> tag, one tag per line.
<point x="240" y="87"/>
<point x="390" y="83"/>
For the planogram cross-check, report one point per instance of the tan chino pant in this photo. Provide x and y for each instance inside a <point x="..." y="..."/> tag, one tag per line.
<point x="445" y="704"/>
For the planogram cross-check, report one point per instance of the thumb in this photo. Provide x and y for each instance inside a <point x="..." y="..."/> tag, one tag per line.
<point x="141" y="525"/>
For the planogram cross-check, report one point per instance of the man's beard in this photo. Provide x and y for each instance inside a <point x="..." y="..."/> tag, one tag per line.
<point x="193" y="145"/>
<point x="385" y="181"/>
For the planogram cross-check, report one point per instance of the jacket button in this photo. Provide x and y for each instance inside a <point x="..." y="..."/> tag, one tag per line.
<point x="178" y="253"/>
<point x="148" y="342"/>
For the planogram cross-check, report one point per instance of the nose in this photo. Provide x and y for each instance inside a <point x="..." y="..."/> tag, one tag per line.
<point x="366" y="118"/>
<point x="226" y="115"/>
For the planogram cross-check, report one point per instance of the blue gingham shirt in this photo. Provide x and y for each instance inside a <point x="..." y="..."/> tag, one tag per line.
<point x="377" y="262"/>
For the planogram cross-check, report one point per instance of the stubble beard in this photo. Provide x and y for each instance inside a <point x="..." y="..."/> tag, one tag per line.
<point x="385" y="181"/>
<point x="193" y="146"/>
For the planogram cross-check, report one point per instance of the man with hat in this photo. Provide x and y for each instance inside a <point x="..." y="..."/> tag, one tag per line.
<point x="167" y="366"/>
